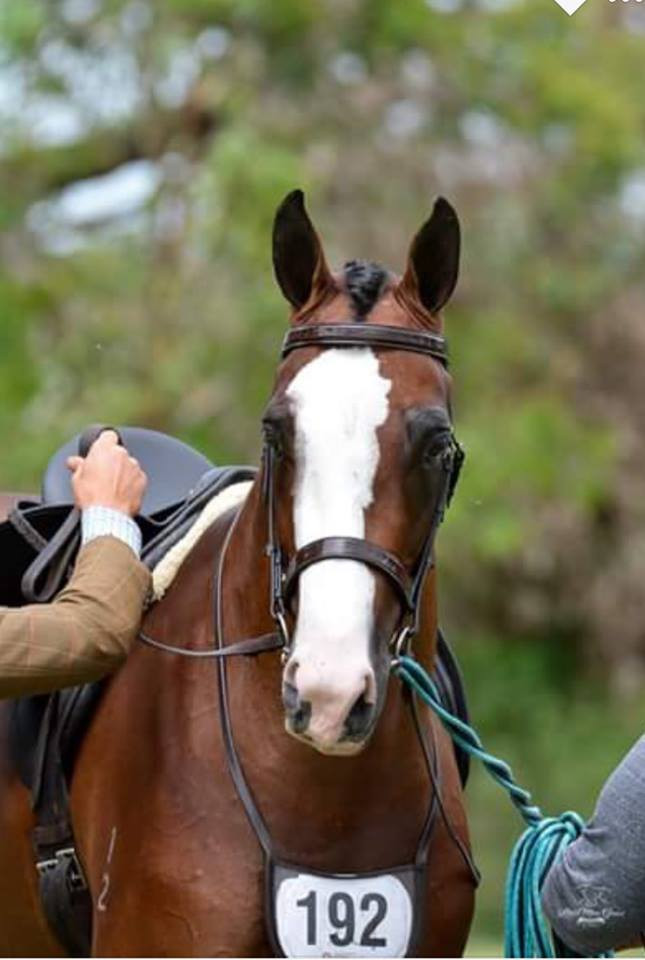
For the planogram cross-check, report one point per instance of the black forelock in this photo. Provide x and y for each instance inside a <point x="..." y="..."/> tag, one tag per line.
<point x="364" y="282"/>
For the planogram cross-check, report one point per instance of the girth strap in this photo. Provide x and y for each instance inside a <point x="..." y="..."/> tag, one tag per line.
<point x="350" y="548"/>
<point x="63" y="888"/>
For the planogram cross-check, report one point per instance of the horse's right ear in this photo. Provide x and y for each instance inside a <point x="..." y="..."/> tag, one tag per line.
<point x="298" y="258"/>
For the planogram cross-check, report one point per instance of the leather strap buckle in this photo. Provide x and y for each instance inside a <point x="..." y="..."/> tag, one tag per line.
<point x="64" y="859"/>
<point x="401" y="643"/>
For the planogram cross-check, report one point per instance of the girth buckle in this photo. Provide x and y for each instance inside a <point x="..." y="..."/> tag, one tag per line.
<point x="66" y="859"/>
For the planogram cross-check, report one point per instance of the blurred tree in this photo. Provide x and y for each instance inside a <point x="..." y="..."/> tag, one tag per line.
<point x="145" y="147"/>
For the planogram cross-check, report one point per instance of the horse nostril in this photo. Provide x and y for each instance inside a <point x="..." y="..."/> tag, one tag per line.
<point x="359" y="717"/>
<point x="290" y="671"/>
<point x="300" y="717"/>
<point x="289" y="697"/>
<point x="298" y="711"/>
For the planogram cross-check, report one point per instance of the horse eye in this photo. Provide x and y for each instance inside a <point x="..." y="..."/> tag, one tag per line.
<point x="436" y="445"/>
<point x="436" y="448"/>
<point x="272" y="433"/>
<point x="429" y="435"/>
<point x="275" y="430"/>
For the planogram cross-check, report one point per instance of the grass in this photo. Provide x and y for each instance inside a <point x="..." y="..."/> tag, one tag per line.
<point x="480" y="946"/>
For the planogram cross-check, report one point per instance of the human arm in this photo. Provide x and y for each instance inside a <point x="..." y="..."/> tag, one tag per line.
<point x="594" y="895"/>
<point x="87" y="631"/>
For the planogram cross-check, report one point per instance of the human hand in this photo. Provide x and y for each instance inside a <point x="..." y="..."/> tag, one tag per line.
<point x="108" y="477"/>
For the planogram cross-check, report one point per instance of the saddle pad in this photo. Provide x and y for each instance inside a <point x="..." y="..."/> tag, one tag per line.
<point x="166" y="570"/>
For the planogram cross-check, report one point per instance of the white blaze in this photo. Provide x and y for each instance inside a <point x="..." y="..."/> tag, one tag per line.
<point x="338" y="401"/>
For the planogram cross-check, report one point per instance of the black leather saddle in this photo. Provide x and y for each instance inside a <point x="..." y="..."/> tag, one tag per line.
<point x="173" y="469"/>
<point x="40" y="539"/>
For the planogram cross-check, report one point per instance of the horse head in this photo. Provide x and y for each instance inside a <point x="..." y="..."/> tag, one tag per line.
<point x="362" y="452"/>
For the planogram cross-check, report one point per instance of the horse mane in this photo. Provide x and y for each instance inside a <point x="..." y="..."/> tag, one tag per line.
<point x="364" y="282"/>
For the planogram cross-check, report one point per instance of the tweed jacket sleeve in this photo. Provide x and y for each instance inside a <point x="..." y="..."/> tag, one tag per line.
<point x="85" y="633"/>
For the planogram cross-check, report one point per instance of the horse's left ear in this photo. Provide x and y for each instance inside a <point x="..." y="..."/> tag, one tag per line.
<point x="298" y="258"/>
<point x="433" y="261"/>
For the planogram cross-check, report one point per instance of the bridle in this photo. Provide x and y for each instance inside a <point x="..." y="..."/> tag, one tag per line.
<point x="406" y="584"/>
<point x="284" y="573"/>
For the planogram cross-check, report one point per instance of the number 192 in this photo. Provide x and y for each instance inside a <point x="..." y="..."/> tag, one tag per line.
<point x="341" y="912"/>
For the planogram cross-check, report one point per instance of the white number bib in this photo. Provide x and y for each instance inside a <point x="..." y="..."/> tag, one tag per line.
<point x="342" y="916"/>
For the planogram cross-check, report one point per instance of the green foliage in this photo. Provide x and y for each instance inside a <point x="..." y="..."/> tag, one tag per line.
<point x="496" y="508"/>
<point x="20" y="24"/>
<point x="245" y="173"/>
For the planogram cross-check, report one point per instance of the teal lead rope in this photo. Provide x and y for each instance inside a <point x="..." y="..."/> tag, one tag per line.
<point x="527" y="933"/>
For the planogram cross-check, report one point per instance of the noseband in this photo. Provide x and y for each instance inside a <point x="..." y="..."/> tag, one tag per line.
<point x="284" y="577"/>
<point x="407" y="584"/>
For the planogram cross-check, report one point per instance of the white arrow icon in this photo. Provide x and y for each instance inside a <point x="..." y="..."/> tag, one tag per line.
<point x="570" y="6"/>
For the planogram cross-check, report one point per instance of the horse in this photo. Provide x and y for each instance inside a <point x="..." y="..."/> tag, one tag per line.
<point x="191" y="767"/>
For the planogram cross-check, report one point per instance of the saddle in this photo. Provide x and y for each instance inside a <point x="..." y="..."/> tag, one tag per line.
<point x="40" y="539"/>
<point x="38" y="546"/>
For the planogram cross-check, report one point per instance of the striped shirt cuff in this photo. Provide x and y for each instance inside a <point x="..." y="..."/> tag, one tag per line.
<point x="105" y="522"/>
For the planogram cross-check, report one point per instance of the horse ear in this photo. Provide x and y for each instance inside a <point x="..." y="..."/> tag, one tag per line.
<point x="298" y="258"/>
<point x="433" y="260"/>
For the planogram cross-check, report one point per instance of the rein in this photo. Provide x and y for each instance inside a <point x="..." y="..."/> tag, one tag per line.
<point x="284" y="576"/>
<point x="246" y="648"/>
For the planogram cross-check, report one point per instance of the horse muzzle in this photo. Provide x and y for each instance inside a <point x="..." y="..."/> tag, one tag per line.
<point x="333" y="719"/>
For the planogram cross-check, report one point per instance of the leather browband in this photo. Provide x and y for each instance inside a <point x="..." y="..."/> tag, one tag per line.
<point x="365" y="334"/>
